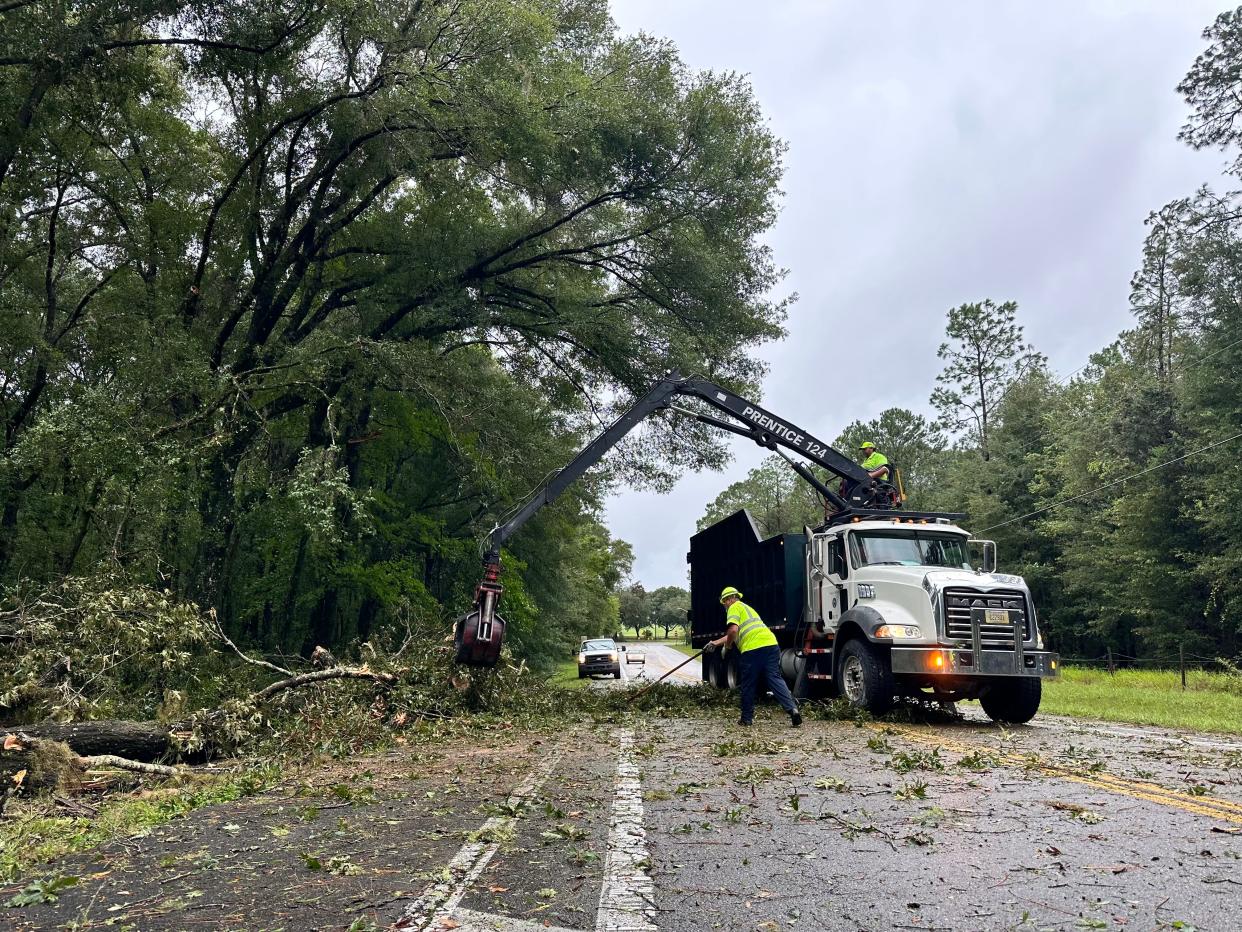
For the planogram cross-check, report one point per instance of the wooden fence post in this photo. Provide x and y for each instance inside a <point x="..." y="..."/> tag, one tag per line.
<point x="1111" y="669"/>
<point x="1181" y="662"/>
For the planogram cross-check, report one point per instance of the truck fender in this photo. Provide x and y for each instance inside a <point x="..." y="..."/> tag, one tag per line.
<point x="862" y="619"/>
<point x="857" y="623"/>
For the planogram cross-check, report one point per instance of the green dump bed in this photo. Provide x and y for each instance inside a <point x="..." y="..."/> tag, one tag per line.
<point x="770" y="573"/>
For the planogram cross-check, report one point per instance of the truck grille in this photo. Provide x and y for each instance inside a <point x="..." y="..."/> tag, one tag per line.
<point x="597" y="658"/>
<point x="958" y="603"/>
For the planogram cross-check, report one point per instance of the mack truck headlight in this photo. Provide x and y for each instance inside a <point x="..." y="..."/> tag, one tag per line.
<point x="898" y="631"/>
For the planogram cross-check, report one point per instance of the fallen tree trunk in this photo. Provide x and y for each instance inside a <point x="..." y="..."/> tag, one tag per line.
<point x="40" y="763"/>
<point x="140" y="741"/>
<point x="120" y="763"/>
<point x="150" y="741"/>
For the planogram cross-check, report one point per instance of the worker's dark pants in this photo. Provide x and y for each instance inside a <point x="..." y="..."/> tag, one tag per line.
<point x="763" y="664"/>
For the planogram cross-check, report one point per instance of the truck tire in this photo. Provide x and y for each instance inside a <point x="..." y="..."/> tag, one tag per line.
<point x="709" y="669"/>
<point x="616" y="673"/>
<point x="726" y="672"/>
<point x="1013" y="700"/>
<point x="865" y="677"/>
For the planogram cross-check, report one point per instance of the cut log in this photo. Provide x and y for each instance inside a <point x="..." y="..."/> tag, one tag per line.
<point x="40" y="764"/>
<point x="141" y="741"/>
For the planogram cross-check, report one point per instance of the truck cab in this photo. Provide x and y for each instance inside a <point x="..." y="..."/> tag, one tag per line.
<point x="913" y="605"/>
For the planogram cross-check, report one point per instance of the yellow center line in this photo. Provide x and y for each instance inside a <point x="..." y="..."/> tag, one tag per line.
<point x="1137" y="789"/>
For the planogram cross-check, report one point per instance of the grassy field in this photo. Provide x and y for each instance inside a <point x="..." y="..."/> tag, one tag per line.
<point x="1211" y="701"/>
<point x="684" y="648"/>
<point x="567" y="675"/>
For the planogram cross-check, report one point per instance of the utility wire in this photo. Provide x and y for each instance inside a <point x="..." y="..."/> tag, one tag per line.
<point x="1066" y="501"/>
<point x="1182" y="367"/>
<point x="1207" y="356"/>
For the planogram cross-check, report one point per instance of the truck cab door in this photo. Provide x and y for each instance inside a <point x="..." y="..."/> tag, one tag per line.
<point x="836" y="575"/>
<point x="814" y="578"/>
<point x="825" y="576"/>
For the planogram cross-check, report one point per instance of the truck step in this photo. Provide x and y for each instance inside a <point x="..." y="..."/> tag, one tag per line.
<point x="819" y="676"/>
<point x="818" y="650"/>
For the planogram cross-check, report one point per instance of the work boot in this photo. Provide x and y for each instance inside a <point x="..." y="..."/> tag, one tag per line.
<point x="744" y="723"/>
<point x="795" y="719"/>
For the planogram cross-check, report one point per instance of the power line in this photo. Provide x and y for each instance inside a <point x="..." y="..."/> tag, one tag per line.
<point x="1066" y="501"/>
<point x="1196" y="362"/>
<point x="1193" y="363"/>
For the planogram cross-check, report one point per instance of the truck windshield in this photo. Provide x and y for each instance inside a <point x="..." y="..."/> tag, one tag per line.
<point x="915" y="549"/>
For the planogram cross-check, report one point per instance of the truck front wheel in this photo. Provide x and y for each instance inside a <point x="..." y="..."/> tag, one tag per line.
<point x="1013" y="700"/>
<point x="865" y="678"/>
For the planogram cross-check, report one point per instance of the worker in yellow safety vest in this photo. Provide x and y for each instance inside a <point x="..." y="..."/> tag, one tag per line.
<point x="875" y="462"/>
<point x="758" y="656"/>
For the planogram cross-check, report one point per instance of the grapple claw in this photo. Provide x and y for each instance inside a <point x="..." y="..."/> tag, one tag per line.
<point x="481" y="631"/>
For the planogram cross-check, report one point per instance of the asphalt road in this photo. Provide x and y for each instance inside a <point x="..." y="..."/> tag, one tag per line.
<point x="951" y="825"/>
<point x="684" y="825"/>
<point x="660" y="659"/>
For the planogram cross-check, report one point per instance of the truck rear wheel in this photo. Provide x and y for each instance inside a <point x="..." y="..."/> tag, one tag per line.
<point x="1013" y="700"/>
<point x="726" y="670"/>
<point x="710" y="664"/>
<point x="865" y="678"/>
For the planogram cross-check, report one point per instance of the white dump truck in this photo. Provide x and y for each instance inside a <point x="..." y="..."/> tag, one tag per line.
<point x="876" y="605"/>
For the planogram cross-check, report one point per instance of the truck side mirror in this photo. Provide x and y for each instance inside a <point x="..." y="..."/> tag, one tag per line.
<point x="988" y="555"/>
<point x="817" y="557"/>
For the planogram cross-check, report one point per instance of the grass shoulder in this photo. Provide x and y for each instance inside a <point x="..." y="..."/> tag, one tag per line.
<point x="566" y="676"/>
<point x="1210" y="702"/>
<point x="683" y="648"/>
<point x="37" y="830"/>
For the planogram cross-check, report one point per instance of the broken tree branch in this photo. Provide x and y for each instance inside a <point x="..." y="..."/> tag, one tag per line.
<point x="238" y="651"/>
<point x="121" y="763"/>
<point x="316" y="676"/>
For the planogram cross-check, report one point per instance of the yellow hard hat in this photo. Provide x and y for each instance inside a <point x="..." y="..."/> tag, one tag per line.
<point x="728" y="591"/>
<point x="866" y="445"/>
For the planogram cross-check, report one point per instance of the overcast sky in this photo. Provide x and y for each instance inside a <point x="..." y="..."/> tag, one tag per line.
<point x="939" y="153"/>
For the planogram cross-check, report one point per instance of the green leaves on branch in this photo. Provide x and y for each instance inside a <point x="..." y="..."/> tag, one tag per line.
<point x="311" y="287"/>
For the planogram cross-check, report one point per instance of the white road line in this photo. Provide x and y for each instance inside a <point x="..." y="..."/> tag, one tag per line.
<point x="627" y="899"/>
<point x="440" y="899"/>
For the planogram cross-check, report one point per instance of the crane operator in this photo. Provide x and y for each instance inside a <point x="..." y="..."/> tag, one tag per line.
<point x="875" y="462"/>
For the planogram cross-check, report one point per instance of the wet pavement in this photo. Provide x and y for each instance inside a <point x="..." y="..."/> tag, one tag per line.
<point x="699" y="825"/>
<point x="658" y="659"/>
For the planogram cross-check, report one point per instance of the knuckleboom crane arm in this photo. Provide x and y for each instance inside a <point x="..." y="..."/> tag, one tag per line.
<point x="761" y="426"/>
<point x="480" y="631"/>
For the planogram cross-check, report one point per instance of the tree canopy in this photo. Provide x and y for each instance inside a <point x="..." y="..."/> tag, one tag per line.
<point x="300" y="295"/>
